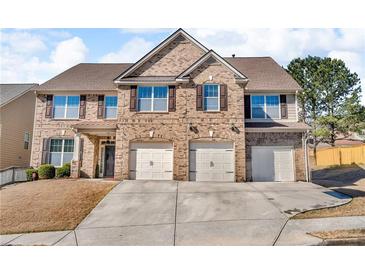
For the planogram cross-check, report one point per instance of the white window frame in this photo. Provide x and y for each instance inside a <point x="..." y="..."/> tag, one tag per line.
<point x="265" y="109"/>
<point x="62" y="148"/>
<point x="153" y="101"/>
<point x="116" y="107"/>
<point x="218" y="98"/>
<point x="66" y="107"/>
<point x="26" y="139"/>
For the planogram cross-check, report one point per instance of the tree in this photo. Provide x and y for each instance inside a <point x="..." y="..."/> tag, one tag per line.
<point x="304" y="71"/>
<point x="330" y="99"/>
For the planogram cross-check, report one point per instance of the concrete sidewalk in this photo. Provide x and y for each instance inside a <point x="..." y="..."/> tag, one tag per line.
<point x="296" y="232"/>
<point x="190" y="213"/>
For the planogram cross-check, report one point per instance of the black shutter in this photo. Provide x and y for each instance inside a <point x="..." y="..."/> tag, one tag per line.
<point x="133" y="99"/>
<point x="247" y="104"/>
<point x="283" y="107"/>
<point x="45" y="151"/>
<point x="199" y="97"/>
<point x="82" y="111"/>
<point x="100" y="106"/>
<point x="49" y="106"/>
<point x="172" y="98"/>
<point x="223" y="97"/>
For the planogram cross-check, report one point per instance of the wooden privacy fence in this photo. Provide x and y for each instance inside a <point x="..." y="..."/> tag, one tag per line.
<point x="340" y="156"/>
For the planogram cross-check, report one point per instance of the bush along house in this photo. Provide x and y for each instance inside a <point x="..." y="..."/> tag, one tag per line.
<point x="181" y="112"/>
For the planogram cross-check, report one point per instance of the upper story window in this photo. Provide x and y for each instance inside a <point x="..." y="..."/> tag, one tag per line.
<point x="265" y="106"/>
<point x="26" y="140"/>
<point x="66" y="107"/>
<point x="111" y="107"/>
<point x="152" y="99"/>
<point x="211" y="97"/>
<point x="61" y="151"/>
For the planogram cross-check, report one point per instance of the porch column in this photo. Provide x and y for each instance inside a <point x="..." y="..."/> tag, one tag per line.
<point x="75" y="163"/>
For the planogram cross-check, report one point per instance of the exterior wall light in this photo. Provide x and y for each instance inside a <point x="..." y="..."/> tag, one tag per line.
<point x="235" y="129"/>
<point x="193" y="128"/>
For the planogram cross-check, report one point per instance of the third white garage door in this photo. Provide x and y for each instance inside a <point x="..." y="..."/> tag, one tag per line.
<point x="211" y="162"/>
<point x="151" y="161"/>
<point x="272" y="163"/>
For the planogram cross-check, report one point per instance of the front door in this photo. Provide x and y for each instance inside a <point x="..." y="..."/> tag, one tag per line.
<point x="109" y="161"/>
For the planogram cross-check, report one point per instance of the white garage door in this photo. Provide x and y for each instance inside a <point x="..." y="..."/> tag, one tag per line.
<point x="211" y="162"/>
<point x="151" y="161"/>
<point x="272" y="163"/>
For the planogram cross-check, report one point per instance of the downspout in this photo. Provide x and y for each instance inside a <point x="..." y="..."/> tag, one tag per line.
<point x="306" y="162"/>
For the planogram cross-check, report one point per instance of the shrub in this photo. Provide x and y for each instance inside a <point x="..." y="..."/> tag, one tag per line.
<point x="63" y="171"/>
<point x="46" y="172"/>
<point x="29" y="173"/>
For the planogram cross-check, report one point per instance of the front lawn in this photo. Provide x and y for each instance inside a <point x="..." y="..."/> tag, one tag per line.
<point x="340" y="234"/>
<point x="355" y="208"/>
<point x="49" y="205"/>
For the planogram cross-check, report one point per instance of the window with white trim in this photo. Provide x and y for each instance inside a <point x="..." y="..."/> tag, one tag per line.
<point x="61" y="151"/>
<point x="26" y="140"/>
<point x="111" y="107"/>
<point x="66" y="107"/>
<point x="265" y="107"/>
<point x="152" y="98"/>
<point x="211" y="97"/>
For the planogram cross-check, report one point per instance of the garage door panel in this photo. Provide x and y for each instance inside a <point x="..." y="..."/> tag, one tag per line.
<point x="151" y="161"/>
<point x="272" y="163"/>
<point x="211" y="162"/>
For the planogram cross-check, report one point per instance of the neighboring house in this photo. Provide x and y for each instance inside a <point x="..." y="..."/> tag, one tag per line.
<point x="353" y="139"/>
<point x="181" y="112"/>
<point x="16" y="128"/>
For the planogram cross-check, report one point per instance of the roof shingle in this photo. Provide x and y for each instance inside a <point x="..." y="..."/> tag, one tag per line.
<point x="8" y="92"/>
<point x="84" y="77"/>
<point x="263" y="74"/>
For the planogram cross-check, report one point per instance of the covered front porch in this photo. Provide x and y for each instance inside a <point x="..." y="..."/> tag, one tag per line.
<point x="94" y="150"/>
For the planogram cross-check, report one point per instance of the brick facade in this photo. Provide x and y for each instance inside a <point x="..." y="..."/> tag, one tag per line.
<point x="172" y="127"/>
<point x="52" y="128"/>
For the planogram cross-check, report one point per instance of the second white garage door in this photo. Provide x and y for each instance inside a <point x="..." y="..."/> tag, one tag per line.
<point x="151" y="161"/>
<point x="211" y="162"/>
<point x="274" y="163"/>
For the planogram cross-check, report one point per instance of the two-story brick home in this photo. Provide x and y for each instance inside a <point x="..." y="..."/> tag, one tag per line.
<point x="182" y="112"/>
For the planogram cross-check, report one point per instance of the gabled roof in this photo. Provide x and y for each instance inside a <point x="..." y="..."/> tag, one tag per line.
<point x="85" y="77"/>
<point x="10" y="92"/>
<point x="160" y="46"/>
<point x="205" y="57"/>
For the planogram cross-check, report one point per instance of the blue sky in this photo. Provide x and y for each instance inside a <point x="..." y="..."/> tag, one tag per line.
<point x="36" y="55"/>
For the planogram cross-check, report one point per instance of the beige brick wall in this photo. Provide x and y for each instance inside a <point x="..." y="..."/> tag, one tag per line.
<point x="177" y="56"/>
<point x="173" y="127"/>
<point x="276" y="139"/>
<point x="48" y="128"/>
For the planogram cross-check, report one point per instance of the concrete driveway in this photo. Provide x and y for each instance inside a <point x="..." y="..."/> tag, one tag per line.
<point x="191" y="213"/>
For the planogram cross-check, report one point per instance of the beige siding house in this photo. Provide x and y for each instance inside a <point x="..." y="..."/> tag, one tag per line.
<point x="182" y="112"/>
<point x="16" y="127"/>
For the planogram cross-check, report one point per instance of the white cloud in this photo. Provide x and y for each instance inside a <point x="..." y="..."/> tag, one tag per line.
<point x="131" y="51"/>
<point x="23" y="42"/>
<point x="68" y="53"/>
<point x="19" y="66"/>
